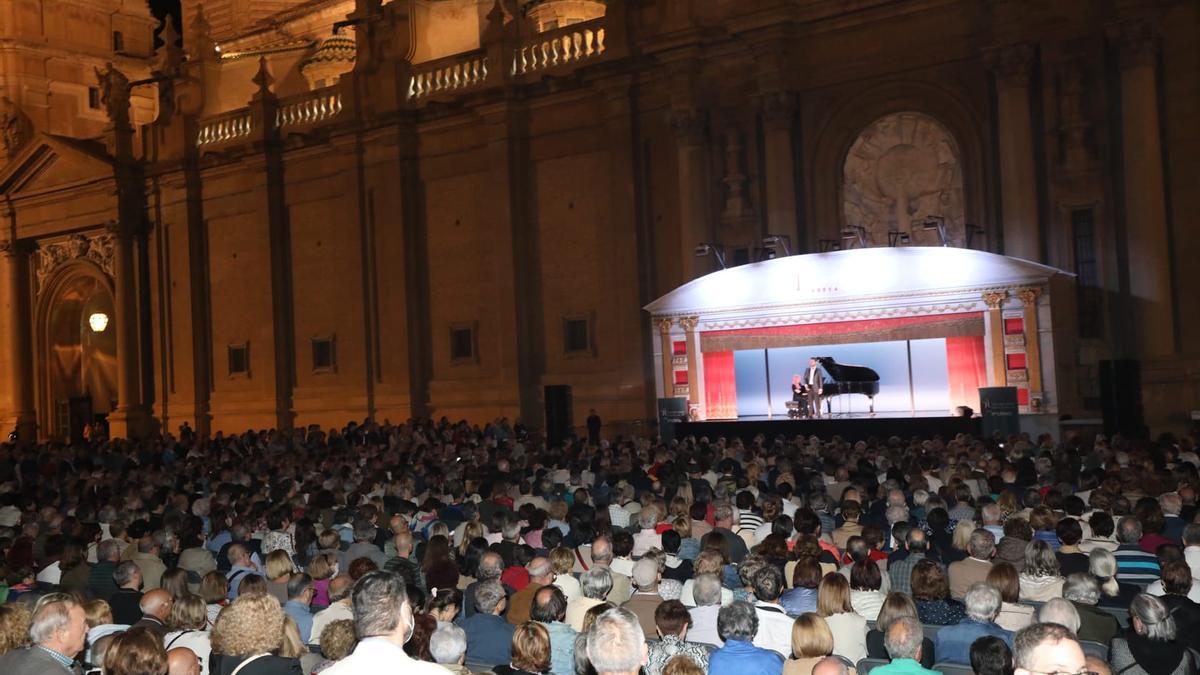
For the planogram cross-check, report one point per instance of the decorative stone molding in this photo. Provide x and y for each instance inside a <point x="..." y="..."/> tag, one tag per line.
<point x="688" y="323"/>
<point x="1029" y="296"/>
<point x="52" y="255"/>
<point x="114" y="95"/>
<point x="15" y="128"/>
<point x="664" y="326"/>
<point x="994" y="299"/>
<point x="1012" y="64"/>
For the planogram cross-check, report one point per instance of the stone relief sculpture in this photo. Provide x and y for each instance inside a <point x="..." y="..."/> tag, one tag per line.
<point x="903" y="167"/>
<point x="50" y="255"/>
<point x="15" y="128"/>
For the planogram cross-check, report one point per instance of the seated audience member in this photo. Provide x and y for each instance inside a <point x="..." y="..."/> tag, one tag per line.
<point x="903" y="640"/>
<point x="1150" y="645"/>
<point x="530" y="651"/>
<point x="137" y="651"/>
<point x="550" y="609"/>
<point x="1082" y="591"/>
<point x="489" y="635"/>
<point x="802" y="596"/>
<point x="964" y="573"/>
<point x="615" y="644"/>
<point x="1013" y="615"/>
<point x="991" y="656"/>
<point x="339" y="608"/>
<point x="127" y="599"/>
<point x="645" y="598"/>
<point x="57" y="631"/>
<point x="1113" y="593"/>
<point x="187" y="626"/>
<point x="738" y="624"/>
<point x="774" y="625"/>
<point x="865" y="582"/>
<point x="672" y="623"/>
<point x="953" y="643"/>
<point x="448" y="645"/>
<point x="156" y="607"/>
<point x="931" y="592"/>
<point x="383" y="622"/>
<point x="594" y="587"/>
<point x="248" y="633"/>
<point x="897" y="606"/>
<point x="1061" y="612"/>
<point x="1070" y="558"/>
<point x="703" y="630"/>
<point x="1042" y="648"/>
<point x="848" y="628"/>
<point x="1041" y="578"/>
<point x="811" y="642"/>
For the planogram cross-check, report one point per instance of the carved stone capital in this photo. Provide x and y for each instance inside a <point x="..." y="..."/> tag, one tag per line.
<point x="1029" y="296"/>
<point x="1012" y="64"/>
<point x="664" y="326"/>
<point x="1137" y="42"/>
<point x="690" y="125"/>
<point x="994" y="299"/>
<point x="688" y="323"/>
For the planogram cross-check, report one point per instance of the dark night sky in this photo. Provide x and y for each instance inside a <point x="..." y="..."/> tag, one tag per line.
<point x="162" y="8"/>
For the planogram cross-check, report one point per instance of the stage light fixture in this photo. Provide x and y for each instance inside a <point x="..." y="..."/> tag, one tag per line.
<point x="971" y="231"/>
<point x="775" y="242"/>
<point x="98" y="322"/>
<point x="937" y="223"/>
<point x="855" y="234"/>
<point x="703" y="249"/>
<point x="898" y="238"/>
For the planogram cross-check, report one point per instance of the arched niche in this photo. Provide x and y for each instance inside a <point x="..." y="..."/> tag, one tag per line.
<point x="76" y="356"/>
<point x="840" y="126"/>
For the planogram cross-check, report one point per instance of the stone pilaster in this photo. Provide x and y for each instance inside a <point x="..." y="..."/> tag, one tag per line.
<point x="1012" y="66"/>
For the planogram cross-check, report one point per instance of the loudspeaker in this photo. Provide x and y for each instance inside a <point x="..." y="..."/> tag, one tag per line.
<point x="1121" y="397"/>
<point x="559" y="425"/>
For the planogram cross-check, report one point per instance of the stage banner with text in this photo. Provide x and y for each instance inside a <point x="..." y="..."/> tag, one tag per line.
<point x="1000" y="411"/>
<point x="670" y="411"/>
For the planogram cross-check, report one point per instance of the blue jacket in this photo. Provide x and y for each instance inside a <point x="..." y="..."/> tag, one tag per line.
<point x="562" y="647"/>
<point x="489" y="640"/>
<point x="797" y="601"/>
<point x="743" y="658"/>
<point x="953" y="643"/>
<point x="303" y="617"/>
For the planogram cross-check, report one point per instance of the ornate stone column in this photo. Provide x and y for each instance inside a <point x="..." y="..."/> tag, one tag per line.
<point x="127" y="420"/>
<point x="695" y="387"/>
<point x="1147" y="240"/>
<point x="690" y="124"/>
<point x="668" y="356"/>
<point x="778" y="110"/>
<point x="994" y="322"/>
<point x="15" y="303"/>
<point x="1018" y="188"/>
<point x="1033" y="347"/>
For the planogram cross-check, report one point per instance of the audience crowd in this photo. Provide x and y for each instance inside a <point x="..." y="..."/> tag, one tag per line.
<point x="431" y="547"/>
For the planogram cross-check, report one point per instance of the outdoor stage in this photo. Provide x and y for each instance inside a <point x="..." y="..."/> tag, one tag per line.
<point x="852" y="428"/>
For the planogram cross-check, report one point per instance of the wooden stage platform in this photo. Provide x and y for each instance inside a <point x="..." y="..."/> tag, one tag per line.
<point x="854" y="428"/>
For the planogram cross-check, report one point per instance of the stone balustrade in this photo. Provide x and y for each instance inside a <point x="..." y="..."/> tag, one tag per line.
<point x="224" y="128"/>
<point x="564" y="46"/>
<point x="453" y="73"/>
<point x="311" y="107"/>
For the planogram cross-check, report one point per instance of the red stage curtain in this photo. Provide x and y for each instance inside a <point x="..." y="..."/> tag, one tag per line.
<point x="720" y="386"/>
<point x="967" y="364"/>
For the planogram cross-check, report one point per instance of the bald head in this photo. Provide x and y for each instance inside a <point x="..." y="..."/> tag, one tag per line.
<point x="340" y="587"/>
<point x="404" y="543"/>
<point x="397" y="525"/>
<point x="830" y="665"/>
<point x="157" y="603"/>
<point x="182" y="661"/>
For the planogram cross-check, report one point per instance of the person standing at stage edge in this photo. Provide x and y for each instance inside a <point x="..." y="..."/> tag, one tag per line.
<point x="593" y="427"/>
<point x="814" y="381"/>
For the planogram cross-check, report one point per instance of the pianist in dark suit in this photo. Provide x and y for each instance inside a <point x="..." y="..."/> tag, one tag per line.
<point x="814" y="380"/>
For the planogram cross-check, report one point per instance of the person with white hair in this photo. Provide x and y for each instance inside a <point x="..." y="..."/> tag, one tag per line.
<point x="706" y="590"/>
<point x="1151" y="647"/>
<point x="953" y="643"/>
<point x="903" y="641"/>
<point x="738" y="625"/>
<point x="594" y="586"/>
<point x="647" y="538"/>
<point x="57" y="632"/>
<point x="1059" y="611"/>
<point x="1094" y="624"/>
<point x="616" y="644"/>
<point x="448" y="646"/>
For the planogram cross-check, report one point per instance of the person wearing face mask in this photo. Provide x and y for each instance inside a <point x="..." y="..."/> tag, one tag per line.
<point x="383" y="620"/>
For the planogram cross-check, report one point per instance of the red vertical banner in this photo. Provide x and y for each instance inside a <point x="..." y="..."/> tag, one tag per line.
<point x="720" y="386"/>
<point x="967" y="367"/>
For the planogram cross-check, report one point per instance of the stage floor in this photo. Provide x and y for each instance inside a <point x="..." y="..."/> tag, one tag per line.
<point x="854" y="427"/>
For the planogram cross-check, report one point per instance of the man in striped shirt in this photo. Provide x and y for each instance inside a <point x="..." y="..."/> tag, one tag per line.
<point x="1134" y="566"/>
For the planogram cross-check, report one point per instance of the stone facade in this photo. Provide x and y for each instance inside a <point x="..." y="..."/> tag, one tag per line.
<point x="477" y="209"/>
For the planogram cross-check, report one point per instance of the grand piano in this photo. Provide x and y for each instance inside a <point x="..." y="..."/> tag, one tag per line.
<point x="848" y="379"/>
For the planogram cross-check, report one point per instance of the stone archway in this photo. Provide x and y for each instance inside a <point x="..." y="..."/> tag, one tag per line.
<point x="76" y="349"/>
<point x="904" y="167"/>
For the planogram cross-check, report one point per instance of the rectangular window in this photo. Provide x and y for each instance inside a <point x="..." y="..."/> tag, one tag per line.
<point x="462" y="343"/>
<point x="1014" y="326"/>
<point x="323" y="355"/>
<point x="1090" y="298"/>
<point x="94" y="98"/>
<point x="577" y="335"/>
<point x="239" y="360"/>
<point x="118" y="41"/>
<point x="1015" y="361"/>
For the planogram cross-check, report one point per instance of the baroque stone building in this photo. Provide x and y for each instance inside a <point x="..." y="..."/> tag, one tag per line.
<point x="308" y="212"/>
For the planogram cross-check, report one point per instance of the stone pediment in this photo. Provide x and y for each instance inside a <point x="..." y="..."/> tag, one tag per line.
<point x="49" y="162"/>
